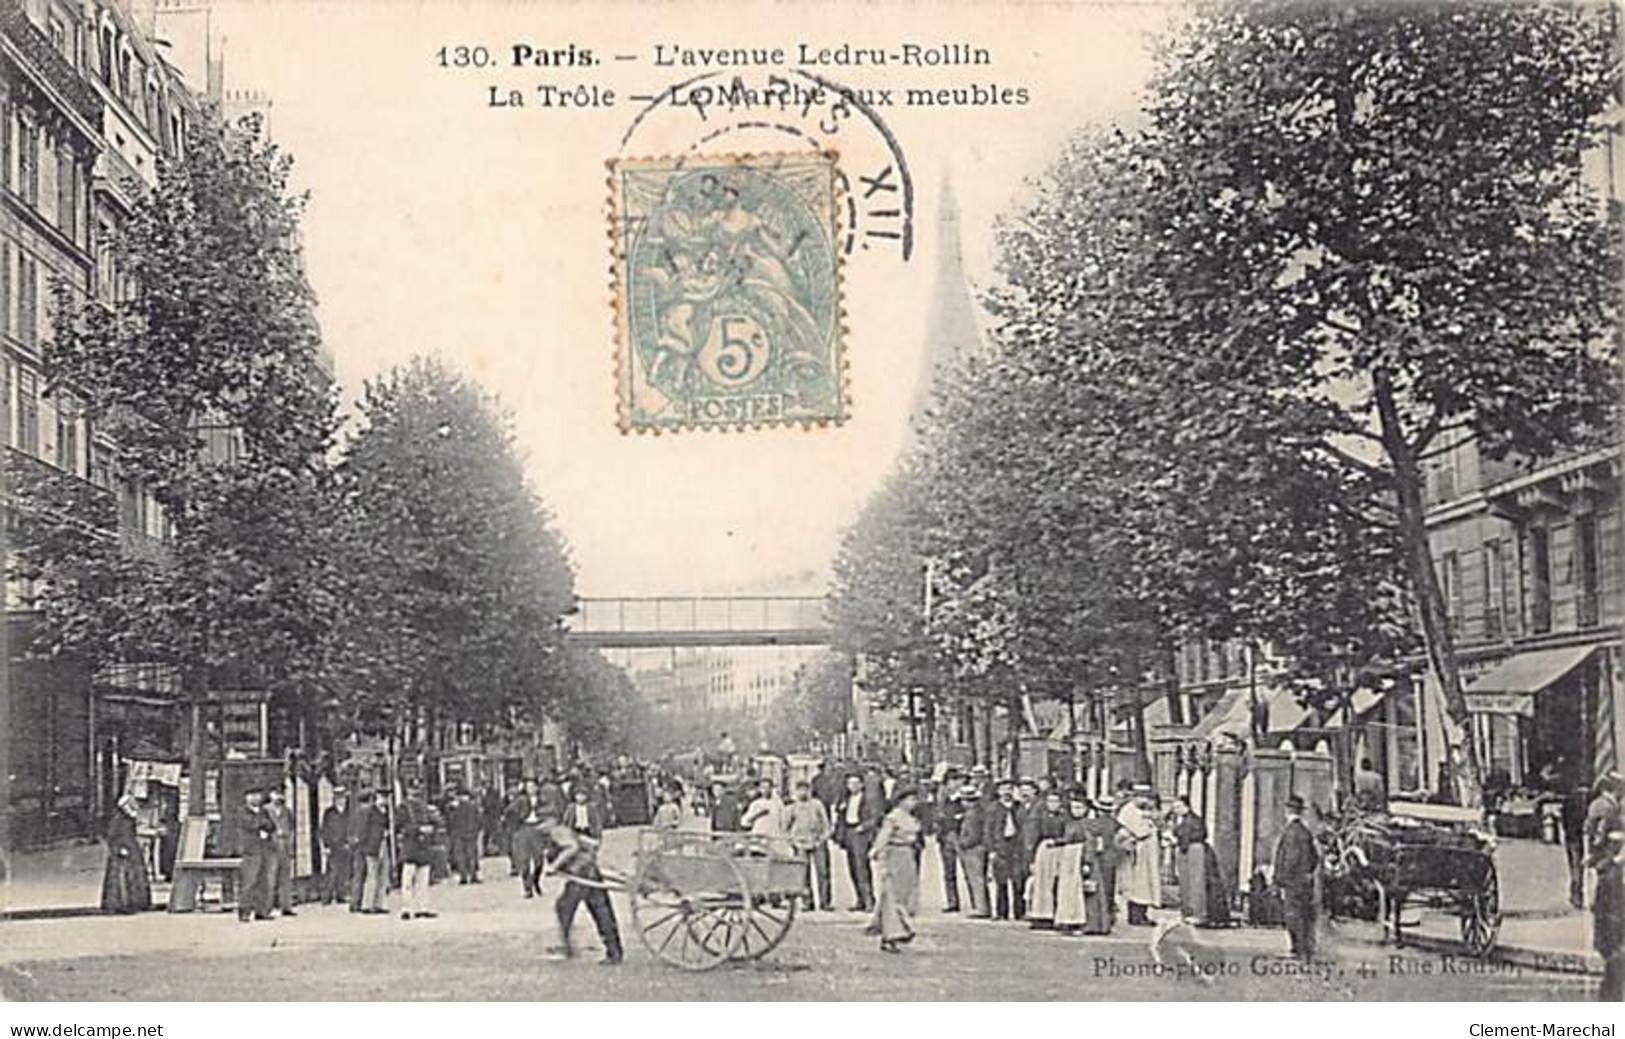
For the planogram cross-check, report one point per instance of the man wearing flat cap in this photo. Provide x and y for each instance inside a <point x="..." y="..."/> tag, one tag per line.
<point x="1296" y="860"/>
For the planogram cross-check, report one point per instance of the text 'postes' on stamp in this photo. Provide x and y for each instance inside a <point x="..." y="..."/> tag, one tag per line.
<point x="727" y="292"/>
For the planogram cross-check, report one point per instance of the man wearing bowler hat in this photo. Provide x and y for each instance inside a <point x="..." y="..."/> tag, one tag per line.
<point x="1296" y="860"/>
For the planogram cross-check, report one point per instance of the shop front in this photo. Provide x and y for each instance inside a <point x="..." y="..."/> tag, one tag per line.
<point x="1544" y="722"/>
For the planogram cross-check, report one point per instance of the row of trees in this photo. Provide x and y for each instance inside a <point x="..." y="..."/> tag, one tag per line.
<point x="404" y="576"/>
<point x="1341" y="238"/>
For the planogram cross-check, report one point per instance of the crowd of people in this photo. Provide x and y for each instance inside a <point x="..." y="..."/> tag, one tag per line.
<point x="1024" y="850"/>
<point x="1015" y="850"/>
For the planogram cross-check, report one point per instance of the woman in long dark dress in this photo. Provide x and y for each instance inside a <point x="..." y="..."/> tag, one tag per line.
<point x="125" y="886"/>
<point x="1101" y="853"/>
<point x="1203" y="899"/>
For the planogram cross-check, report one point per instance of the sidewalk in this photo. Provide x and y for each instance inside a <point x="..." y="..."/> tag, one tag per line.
<point x="1539" y="928"/>
<point x="1556" y="943"/>
<point x="62" y="880"/>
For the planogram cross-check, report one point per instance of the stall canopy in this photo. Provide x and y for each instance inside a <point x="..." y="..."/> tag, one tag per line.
<point x="1510" y="686"/>
<point x="1232" y="713"/>
<point x="1229" y="715"/>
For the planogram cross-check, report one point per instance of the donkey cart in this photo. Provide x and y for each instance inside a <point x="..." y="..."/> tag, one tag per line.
<point x="1420" y="856"/>
<point x="700" y="900"/>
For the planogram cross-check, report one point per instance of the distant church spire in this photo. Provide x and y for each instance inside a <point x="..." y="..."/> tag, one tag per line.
<point x="952" y="332"/>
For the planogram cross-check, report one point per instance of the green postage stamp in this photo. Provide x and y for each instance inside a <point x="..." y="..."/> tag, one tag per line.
<point x="727" y="292"/>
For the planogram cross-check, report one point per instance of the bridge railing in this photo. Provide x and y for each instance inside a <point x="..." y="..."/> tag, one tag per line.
<point x="677" y="614"/>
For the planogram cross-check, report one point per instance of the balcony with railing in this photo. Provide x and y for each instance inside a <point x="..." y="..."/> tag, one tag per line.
<point x="40" y="54"/>
<point x="38" y="489"/>
<point x="45" y="502"/>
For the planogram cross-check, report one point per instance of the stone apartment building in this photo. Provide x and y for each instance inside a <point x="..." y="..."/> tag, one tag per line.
<point x="90" y="107"/>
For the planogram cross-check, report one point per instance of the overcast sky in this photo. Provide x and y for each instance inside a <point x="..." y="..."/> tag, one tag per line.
<point x="438" y="225"/>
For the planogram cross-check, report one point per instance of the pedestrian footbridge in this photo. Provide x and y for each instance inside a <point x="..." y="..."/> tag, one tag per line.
<point x="734" y="620"/>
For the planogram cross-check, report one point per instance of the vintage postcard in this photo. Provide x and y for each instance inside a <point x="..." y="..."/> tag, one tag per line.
<point x="812" y="501"/>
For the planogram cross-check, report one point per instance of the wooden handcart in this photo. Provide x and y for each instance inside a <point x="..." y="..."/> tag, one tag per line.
<point x="701" y="899"/>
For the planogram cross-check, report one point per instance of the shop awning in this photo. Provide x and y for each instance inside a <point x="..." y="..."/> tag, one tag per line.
<point x="1528" y="673"/>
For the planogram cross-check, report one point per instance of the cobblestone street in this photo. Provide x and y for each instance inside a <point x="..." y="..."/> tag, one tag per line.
<point x="490" y="943"/>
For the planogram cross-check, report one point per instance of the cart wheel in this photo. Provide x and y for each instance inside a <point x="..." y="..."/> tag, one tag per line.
<point x="763" y="926"/>
<point x="1481" y="917"/>
<point x="693" y="930"/>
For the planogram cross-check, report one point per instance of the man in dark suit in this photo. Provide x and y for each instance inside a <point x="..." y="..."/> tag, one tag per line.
<point x="724" y="809"/>
<point x="369" y="826"/>
<point x="585" y="816"/>
<point x="463" y="822"/>
<point x="826" y="787"/>
<point x="950" y="815"/>
<point x="972" y="849"/>
<point x="1296" y="861"/>
<point x="254" y="871"/>
<point x="493" y="840"/>
<point x="1004" y="829"/>
<point x="525" y="816"/>
<point x="335" y="836"/>
<point x="856" y="821"/>
<point x="282" y="849"/>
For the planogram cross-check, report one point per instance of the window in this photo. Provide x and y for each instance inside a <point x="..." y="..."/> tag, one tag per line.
<point x="1494" y="575"/>
<point x="107" y="56"/>
<point x="28" y="299"/>
<point x="28" y="163"/>
<point x="5" y="145"/>
<point x="1586" y="570"/>
<point x="133" y="506"/>
<point x="101" y="465"/>
<point x="66" y="192"/>
<point x="67" y="435"/>
<point x="28" y="412"/>
<point x="1539" y="563"/>
<point x="1450" y="578"/>
<point x="1444" y="476"/>
<point x="5" y="289"/>
<point x="59" y="39"/>
<point x="5" y="402"/>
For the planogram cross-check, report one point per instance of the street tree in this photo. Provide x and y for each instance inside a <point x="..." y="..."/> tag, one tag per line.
<point x="458" y="577"/>
<point x="1380" y="213"/>
<point x="202" y="363"/>
<point x="815" y="705"/>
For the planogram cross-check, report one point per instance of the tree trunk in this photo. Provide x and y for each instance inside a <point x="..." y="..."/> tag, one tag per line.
<point x="930" y="730"/>
<point x="1436" y="634"/>
<point x="196" y="789"/>
<point x="1071" y="736"/>
<point x="1142" y="745"/>
<point x="1012" y="734"/>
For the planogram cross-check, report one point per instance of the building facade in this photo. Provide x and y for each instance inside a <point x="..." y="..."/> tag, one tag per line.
<point x="1529" y="561"/>
<point x="89" y="111"/>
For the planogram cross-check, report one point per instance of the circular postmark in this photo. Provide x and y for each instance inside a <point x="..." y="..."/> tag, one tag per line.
<point x="734" y="204"/>
<point x="765" y="110"/>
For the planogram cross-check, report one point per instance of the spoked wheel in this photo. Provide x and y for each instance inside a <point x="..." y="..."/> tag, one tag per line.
<point x="694" y="930"/>
<point x="762" y="926"/>
<point x="1481" y="917"/>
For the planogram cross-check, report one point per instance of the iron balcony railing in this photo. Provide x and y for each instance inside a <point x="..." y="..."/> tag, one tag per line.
<point x="38" y="51"/>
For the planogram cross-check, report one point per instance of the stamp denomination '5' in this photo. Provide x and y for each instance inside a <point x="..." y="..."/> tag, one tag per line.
<point x="727" y="292"/>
